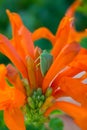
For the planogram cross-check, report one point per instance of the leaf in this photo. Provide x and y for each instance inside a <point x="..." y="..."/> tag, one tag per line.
<point x="46" y="60"/>
<point x="2" y="124"/>
<point x="56" y="124"/>
<point x="83" y="42"/>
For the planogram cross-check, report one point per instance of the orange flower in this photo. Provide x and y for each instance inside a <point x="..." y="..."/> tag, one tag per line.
<point x="48" y="87"/>
<point x="78" y="91"/>
<point x="12" y="99"/>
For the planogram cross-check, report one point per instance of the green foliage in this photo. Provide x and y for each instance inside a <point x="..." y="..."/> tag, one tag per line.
<point x="32" y="127"/>
<point x="81" y="16"/>
<point x="2" y="125"/>
<point x="56" y="124"/>
<point x="81" y="21"/>
<point x="83" y="42"/>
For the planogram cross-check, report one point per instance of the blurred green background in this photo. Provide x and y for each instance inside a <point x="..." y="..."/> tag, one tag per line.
<point x="38" y="13"/>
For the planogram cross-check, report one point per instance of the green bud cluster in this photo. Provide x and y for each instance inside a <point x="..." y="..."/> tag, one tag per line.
<point x="36" y="100"/>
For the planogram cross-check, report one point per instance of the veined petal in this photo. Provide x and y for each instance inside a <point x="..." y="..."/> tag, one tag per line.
<point x="69" y="72"/>
<point x="7" y="49"/>
<point x="61" y="37"/>
<point x="43" y="33"/>
<point x="21" y="35"/>
<point x="31" y="72"/>
<point x="79" y="114"/>
<point x="80" y="62"/>
<point x="14" y="119"/>
<point x="75" y="89"/>
<point x="39" y="77"/>
<point x="64" y="58"/>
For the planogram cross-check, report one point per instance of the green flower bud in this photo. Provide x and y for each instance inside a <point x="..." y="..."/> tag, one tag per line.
<point x="31" y="102"/>
<point x="26" y="85"/>
<point x="39" y="91"/>
<point x="40" y="104"/>
<point x="42" y="98"/>
<point x="48" y="92"/>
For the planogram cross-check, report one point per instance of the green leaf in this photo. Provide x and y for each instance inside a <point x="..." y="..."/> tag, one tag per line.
<point x="46" y="60"/>
<point x="56" y="124"/>
<point x="83" y="42"/>
<point x="2" y="124"/>
<point x="32" y="127"/>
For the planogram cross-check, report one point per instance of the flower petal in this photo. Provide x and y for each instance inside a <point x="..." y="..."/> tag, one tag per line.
<point x="14" y="78"/>
<point x="69" y="72"/>
<point x="7" y="49"/>
<point x="43" y="33"/>
<point x="71" y="10"/>
<point x="61" y="38"/>
<point x="76" y="89"/>
<point x="39" y="77"/>
<point x="76" y="35"/>
<point x="66" y="56"/>
<point x="3" y="73"/>
<point x="14" y="119"/>
<point x="21" y="35"/>
<point x="80" y="62"/>
<point x="78" y="113"/>
<point x="31" y="72"/>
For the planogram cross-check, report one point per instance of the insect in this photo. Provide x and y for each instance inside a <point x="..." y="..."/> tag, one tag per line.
<point x="46" y="60"/>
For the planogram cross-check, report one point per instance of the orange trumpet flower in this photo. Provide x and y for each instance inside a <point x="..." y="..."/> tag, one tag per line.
<point x="42" y="77"/>
<point x="12" y="99"/>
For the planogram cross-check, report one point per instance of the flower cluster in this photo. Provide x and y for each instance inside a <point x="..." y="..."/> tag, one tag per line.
<point x="38" y="78"/>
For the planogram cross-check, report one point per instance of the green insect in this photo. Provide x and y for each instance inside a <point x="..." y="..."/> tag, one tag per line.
<point x="46" y="61"/>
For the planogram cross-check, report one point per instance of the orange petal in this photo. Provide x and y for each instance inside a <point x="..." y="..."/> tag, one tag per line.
<point x="31" y="72"/>
<point x="14" y="119"/>
<point x="12" y="73"/>
<point x="58" y="93"/>
<point x="43" y="33"/>
<point x="80" y="62"/>
<point x="3" y="72"/>
<point x="6" y="96"/>
<point x="19" y="98"/>
<point x="21" y="35"/>
<point x="61" y="37"/>
<point x="78" y="113"/>
<point x="38" y="73"/>
<point x="7" y="49"/>
<point x="5" y="99"/>
<point x="66" y="56"/>
<point x="75" y="89"/>
<point x="69" y="72"/>
<point x="71" y="10"/>
<point x="14" y="78"/>
<point x="76" y="36"/>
